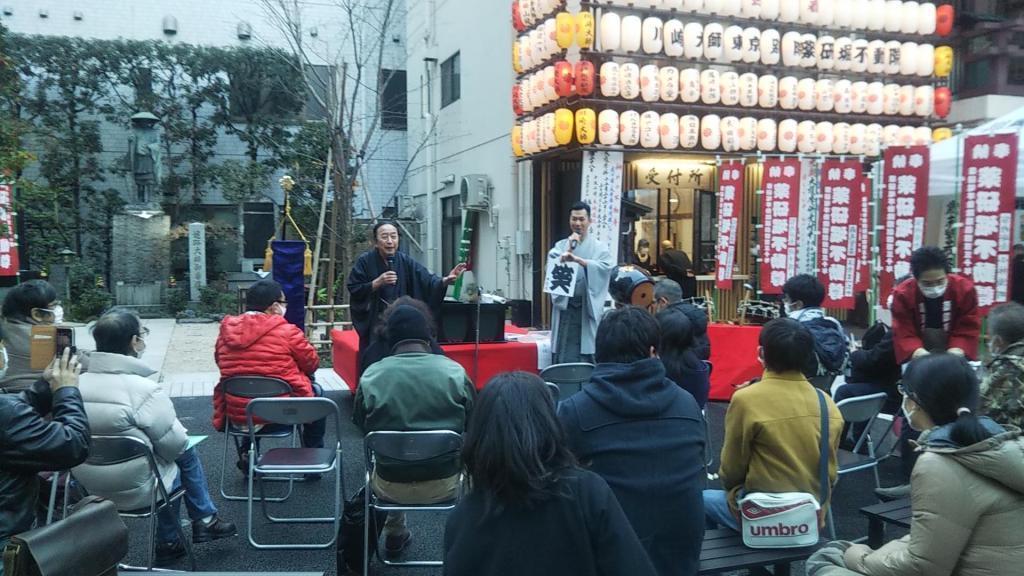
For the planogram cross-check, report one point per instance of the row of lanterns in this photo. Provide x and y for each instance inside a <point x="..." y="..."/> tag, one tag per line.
<point x="692" y="86"/>
<point x="711" y="133"/>
<point x="528" y="13"/>
<point x="893" y="16"/>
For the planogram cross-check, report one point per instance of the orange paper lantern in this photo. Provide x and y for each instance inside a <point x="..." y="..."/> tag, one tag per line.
<point x="944" y="17"/>
<point x="586" y="126"/>
<point x="517" y="18"/>
<point x="563" y="79"/>
<point x="584" y="77"/>
<point x="943" y="101"/>
<point x="584" y="29"/>
<point x="563" y="126"/>
<point x="517" y="100"/>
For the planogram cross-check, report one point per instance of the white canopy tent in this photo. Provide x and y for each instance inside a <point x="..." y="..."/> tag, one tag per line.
<point x="947" y="163"/>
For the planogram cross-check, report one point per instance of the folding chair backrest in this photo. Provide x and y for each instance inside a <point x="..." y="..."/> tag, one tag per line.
<point x="711" y="367"/>
<point x="291" y="411"/>
<point x="862" y="408"/>
<point x="412" y="446"/>
<point x="255" y="387"/>
<point x="112" y="450"/>
<point x="556" y="392"/>
<point x="571" y="373"/>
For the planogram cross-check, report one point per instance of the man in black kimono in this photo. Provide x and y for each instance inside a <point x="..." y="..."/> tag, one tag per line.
<point x="382" y="275"/>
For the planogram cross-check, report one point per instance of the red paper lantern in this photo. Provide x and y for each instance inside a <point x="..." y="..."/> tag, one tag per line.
<point x="517" y="100"/>
<point x="563" y="79"/>
<point x="944" y="20"/>
<point x="517" y="18"/>
<point x="943" y="101"/>
<point x="584" y="78"/>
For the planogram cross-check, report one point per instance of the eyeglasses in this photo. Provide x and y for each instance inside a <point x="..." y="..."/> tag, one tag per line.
<point x="282" y="302"/>
<point x="143" y="332"/>
<point x="904" y="391"/>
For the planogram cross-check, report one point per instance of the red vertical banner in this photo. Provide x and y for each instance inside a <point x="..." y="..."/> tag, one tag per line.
<point x="8" y="238"/>
<point x="904" y="211"/>
<point x="863" y="281"/>
<point x="730" y="206"/>
<point x="780" y="210"/>
<point x="986" y="210"/>
<point x="839" y="226"/>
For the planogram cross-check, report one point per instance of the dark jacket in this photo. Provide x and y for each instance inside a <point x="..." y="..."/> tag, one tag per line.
<point x="875" y="363"/>
<point x="699" y="321"/>
<point x="690" y="374"/>
<point x="30" y="444"/>
<point x="645" y="436"/>
<point x="581" y="532"/>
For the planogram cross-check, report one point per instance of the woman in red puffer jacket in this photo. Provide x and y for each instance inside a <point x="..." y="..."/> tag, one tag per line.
<point x="261" y="343"/>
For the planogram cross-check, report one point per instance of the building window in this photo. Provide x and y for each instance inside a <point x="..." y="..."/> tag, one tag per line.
<point x="320" y="80"/>
<point x="450" y="80"/>
<point x="391" y="86"/>
<point x="258" y="219"/>
<point x="977" y="74"/>
<point x="1015" y="74"/>
<point x="451" y="231"/>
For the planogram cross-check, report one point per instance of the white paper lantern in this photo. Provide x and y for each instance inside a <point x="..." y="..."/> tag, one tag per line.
<point x="650" y="135"/>
<point x="824" y="95"/>
<point x="693" y="5"/>
<point x="530" y="137"/>
<point x="611" y="32"/>
<point x="906" y="135"/>
<point x="844" y="14"/>
<point x="906" y="100"/>
<point x="826" y="13"/>
<point x="548" y="131"/>
<point x="925" y="60"/>
<point x="713" y="38"/>
<point x="825" y="52"/>
<point x="750" y="8"/>
<point x="924" y="101"/>
<point x="537" y="89"/>
<point x="891" y="135"/>
<point x="673" y="38"/>
<point x="668" y="130"/>
<point x="748" y="90"/>
<point x="787" y="135"/>
<point x="893" y="57"/>
<point x="893" y="15"/>
<point x="873" y="139"/>
<point x="805" y="140"/>
<point x="610" y="78"/>
<point x="693" y="40"/>
<point x="809" y="10"/>
<point x="808" y="59"/>
<point x="805" y="96"/>
<point x="672" y="4"/>
<point x="842" y="92"/>
<point x="629" y="81"/>
<point x="748" y="133"/>
<point x="730" y="134"/>
<point x="689" y="131"/>
<point x="608" y="127"/>
<point x="876" y="98"/>
<point x="841" y="138"/>
<point x="629" y="128"/>
<point x="768" y="91"/>
<point x="771" y="47"/>
<point x="537" y="46"/>
<point x="922" y="136"/>
<point x="876" y="57"/>
<point x="525" y="94"/>
<point x="751" y="48"/>
<point x="652" y="30"/>
<point x="791" y="44"/>
<point x="525" y="54"/>
<point x="823" y="137"/>
<point x="926" y="19"/>
<point x="689" y="85"/>
<point x="730" y="88"/>
<point x="859" y="14"/>
<point x="710" y="132"/>
<point x="788" y="93"/>
<point x="767" y="134"/>
<point x="876" y="15"/>
<point x="550" y="44"/>
<point x="732" y="44"/>
<point x="843" y="53"/>
<point x="668" y="79"/>
<point x="769" y="10"/>
<point x="549" y="84"/>
<point x="789" y="10"/>
<point x="860" y="56"/>
<point x="712" y="7"/>
<point x="548" y="6"/>
<point x="527" y="13"/>
<point x="857" y="139"/>
<point x="650" y="88"/>
<point x="859" y="97"/>
<point x="908" y="58"/>
<point x="910" y="18"/>
<point x="731" y="7"/>
<point x="710" y="87"/>
<point x="891" y="100"/>
<point x="632" y="33"/>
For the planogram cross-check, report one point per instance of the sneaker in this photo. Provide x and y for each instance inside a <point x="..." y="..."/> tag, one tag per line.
<point x="243" y="463"/>
<point x="395" y="544"/>
<point x="215" y="529"/>
<point x="168" y="552"/>
<point x="893" y="492"/>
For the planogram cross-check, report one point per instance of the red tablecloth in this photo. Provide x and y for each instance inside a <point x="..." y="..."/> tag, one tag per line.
<point x="494" y="358"/>
<point x="734" y="357"/>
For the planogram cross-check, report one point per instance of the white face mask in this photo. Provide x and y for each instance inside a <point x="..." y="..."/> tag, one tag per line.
<point x="139" y="347"/>
<point x="5" y="360"/>
<point x="787" y="307"/>
<point x="908" y="414"/>
<point x="58" y="314"/>
<point x="934" y="291"/>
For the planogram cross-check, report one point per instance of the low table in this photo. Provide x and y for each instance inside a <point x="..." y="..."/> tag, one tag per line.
<point x="897" y="512"/>
<point x="723" y="551"/>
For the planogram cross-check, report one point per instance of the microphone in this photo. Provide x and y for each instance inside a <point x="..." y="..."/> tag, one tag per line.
<point x="391" y="263"/>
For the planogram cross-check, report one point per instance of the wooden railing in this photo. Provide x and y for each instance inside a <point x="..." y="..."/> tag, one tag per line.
<point x="322" y="318"/>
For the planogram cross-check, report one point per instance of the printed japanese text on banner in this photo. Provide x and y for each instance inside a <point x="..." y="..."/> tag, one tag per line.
<point x="8" y="238"/>
<point x="904" y="209"/>
<point x="730" y="206"/>
<point x="839" y="224"/>
<point x="986" y="210"/>
<point x="863" y="281"/>
<point x="602" y="189"/>
<point x="780" y="207"/>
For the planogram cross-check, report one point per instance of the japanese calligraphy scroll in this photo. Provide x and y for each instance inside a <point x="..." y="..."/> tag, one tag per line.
<point x="780" y="207"/>
<point x="730" y="206"/>
<point x="8" y="238"/>
<point x="839" y="226"/>
<point x="904" y="210"/>
<point x="863" y="280"/>
<point x="986" y="210"/>
<point x="602" y="189"/>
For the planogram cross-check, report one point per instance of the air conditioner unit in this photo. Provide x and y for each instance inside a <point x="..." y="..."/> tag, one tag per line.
<point x="475" y="192"/>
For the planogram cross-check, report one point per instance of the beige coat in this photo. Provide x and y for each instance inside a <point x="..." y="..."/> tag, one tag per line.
<point x="968" y="512"/>
<point x="121" y="401"/>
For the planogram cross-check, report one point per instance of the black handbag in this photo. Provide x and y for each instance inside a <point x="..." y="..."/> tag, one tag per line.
<point x="88" y="542"/>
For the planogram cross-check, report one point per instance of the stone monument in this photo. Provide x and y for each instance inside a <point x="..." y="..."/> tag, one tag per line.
<point x="196" y="259"/>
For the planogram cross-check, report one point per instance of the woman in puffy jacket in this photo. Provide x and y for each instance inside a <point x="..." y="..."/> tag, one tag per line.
<point x="967" y="488"/>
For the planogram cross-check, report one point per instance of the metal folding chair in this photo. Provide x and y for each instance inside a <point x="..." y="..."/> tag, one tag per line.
<point x="116" y="450"/>
<point x="856" y="410"/>
<point x="407" y="447"/>
<point x="568" y="377"/>
<point x="253" y="387"/>
<point x="288" y="461"/>
<point x="52" y="502"/>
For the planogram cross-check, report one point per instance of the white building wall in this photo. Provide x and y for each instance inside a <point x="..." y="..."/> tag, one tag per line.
<point x="470" y="136"/>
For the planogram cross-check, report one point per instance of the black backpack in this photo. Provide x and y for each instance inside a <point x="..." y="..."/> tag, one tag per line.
<point x="831" y="346"/>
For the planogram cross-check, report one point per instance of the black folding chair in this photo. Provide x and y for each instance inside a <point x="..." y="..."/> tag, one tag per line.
<point x="569" y="377"/>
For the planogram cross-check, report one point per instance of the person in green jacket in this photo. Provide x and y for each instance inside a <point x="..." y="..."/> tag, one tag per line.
<point x="412" y="389"/>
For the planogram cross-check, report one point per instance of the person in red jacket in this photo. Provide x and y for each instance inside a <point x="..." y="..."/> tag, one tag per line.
<point x="261" y="342"/>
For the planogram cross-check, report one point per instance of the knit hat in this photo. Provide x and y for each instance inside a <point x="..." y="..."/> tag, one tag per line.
<point x="407" y="323"/>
